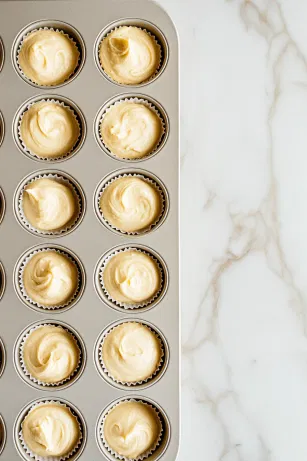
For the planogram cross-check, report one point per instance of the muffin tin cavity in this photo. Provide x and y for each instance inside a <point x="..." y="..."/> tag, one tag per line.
<point x="63" y="179"/>
<point x="130" y="308"/>
<point x="25" y="259"/>
<point x="2" y="128"/>
<point x="22" y="448"/>
<point x="153" y="30"/>
<point x="146" y="176"/>
<point x="157" y="450"/>
<point x="59" y="26"/>
<point x="2" y="280"/>
<point x="2" y="205"/>
<point x="2" y="361"/>
<point x="1" y="54"/>
<point x="149" y="103"/>
<point x="2" y="434"/>
<point x="63" y="102"/>
<point x="156" y="376"/>
<point x="21" y="368"/>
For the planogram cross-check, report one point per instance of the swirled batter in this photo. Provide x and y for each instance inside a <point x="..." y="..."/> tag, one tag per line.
<point x="131" y="352"/>
<point x="50" y="354"/>
<point x="131" y="130"/>
<point x="48" y="204"/>
<point x="48" y="57"/>
<point x="130" y="204"/>
<point x="131" y="277"/>
<point x="50" y="278"/>
<point x="49" y="129"/>
<point x="50" y="430"/>
<point x="131" y="429"/>
<point x="129" y="55"/>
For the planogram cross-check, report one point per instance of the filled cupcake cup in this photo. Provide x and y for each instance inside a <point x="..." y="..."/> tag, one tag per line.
<point x="148" y="303"/>
<point x="154" y="183"/>
<point x="2" y="205"/>
<point x="160" y="45"/>
<point x="26" y="452"/>
<point x="1" y="54"/>
<point x="2" y="280"/>
<point x="150" y="104"/>
<point x="2" y="128"/>
<point x="71" y="109"/>
<point x="21" y="290"/>
<point x="105" y="447"/>
<point x="2" y="357"/>
<point x="62" y="28"/>
<point x="2" y="434"/>
<point x="61" y="178"/>
<point x="105" y="372"/>
<point x="22" y="367"/>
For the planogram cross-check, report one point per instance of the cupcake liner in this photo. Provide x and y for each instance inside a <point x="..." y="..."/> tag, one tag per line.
<point x="145" y="454"/>
<point x="63" y="180"/>
<point x="23" y="290"/>
<point x="135" y="383"/>
<point x="60" y="103"/>
<point x="53" y="30"/>
<point x="126" y="306"/>
<point x="150" y="106"/>
<point x="24" y="367"/>
<point x="52" y="458"/>
<point x="159" y="47"/>
<point x="149" y="181"/>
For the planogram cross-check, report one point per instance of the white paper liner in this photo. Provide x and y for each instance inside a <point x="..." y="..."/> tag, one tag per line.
<point x="60" y="103"/>
<point x="52" y="458"/>
<point x="149" y="181"/>
<point x="147" y="453"/>
<point x="159" y="47"/>
<point x="126" y="306"/>
<point x="143" y="381"/>
<point x="78" y="200"/>
<point x="149" y="105"/>
<point x="35" y="303"/>
<point x="53" y="30"/>
<point x="24" y="367"/>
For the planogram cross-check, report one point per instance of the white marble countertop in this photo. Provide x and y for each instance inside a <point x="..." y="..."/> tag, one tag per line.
<point x="244" y="227"/>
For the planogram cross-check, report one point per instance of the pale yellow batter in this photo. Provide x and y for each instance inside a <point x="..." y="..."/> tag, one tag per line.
<point x="50" y="354"/>
<point x="48" y="204"/>
<point x="131" y="429"/>
<point x="48" y="57"/>
<point x="131" y="352"/>
<point x="130" y="204"/>
<point x="50" y="430"/>
<point x="131" y="277"/>
<point x="49" y="130"/>
<point x="50" y="278"/>
<point x="129" y="55"/>
<point x="131" y="130"/>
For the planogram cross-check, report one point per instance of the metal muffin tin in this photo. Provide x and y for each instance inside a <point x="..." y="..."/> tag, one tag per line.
<point x="90" y="394"/>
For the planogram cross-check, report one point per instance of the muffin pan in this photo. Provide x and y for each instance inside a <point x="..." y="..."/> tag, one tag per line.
<point x="90" y="392"/>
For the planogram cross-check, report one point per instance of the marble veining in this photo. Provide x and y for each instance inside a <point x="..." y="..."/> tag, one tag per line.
<point x="244" y="227"/>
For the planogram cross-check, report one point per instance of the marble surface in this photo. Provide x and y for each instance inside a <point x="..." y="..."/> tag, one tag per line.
<point x="244" y="226"/>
